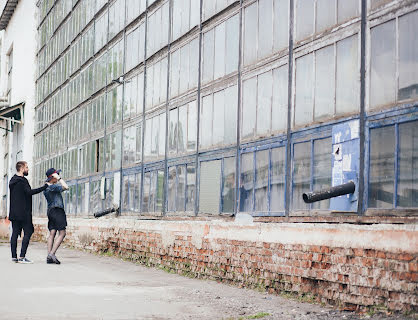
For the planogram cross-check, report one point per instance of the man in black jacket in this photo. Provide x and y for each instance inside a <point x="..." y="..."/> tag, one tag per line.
<point x="20" y="213"/>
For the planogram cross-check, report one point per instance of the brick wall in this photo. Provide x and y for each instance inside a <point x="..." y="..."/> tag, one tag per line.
<point x="352" y="266"/>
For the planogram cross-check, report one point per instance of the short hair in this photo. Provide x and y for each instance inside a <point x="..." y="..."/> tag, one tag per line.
<point x="20" y="165"/>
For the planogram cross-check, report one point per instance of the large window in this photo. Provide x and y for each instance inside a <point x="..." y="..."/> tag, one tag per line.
<point x="328" y="13"/>
<point x="114" y="105"/>
<point x="156" y="84"/>
<point x="181" y="188"/>
<point x="327" y="82"/>
<point x="185" y="15"/>
<point x="116" y="17"/>
<point x="264" y="104"/>
<point x="218" y="118"/>
<point x="153" y="191"/>
<point x="131" y="188"/>
<point x="115" y="68"/>
<point x="157" y="30"/>
<point x="132" y="144"/>
<point x="135" y="42"/>
<point x="262" y="181"/>
<point x="134" y="96"/>
<point x="394" y="61"/>
<point x="100" y="36"/>
<point x="184" y="69"/>
<point x="154" y="143"/>
<point x="113" y="146"/>
<point x="266" y="29"/>
<point x="134" y="8"/>
<point x="311" y="171"/>
<point x="182" y="129"/>
<point x="393" y="173"/>
<point x="212" y="7"/>
<point x="217" y="186"/>
<point x="220" y="50"/>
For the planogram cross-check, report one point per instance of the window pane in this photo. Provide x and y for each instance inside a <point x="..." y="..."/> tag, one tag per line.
<point x="228" y="182"/>
<point x="347" y="10"/>
<point x="408" y="56"/>
<point x="172" y="180"/>
<point x="301" y="174"/>
<point x="281" y="24"/>
<point x="279" y="107"/>
<point x="249" y="104"/>
<point x="383" y="67"/>
<point x="182" y="129"/>
<point x="322" y="169"/>
<point x="246" y="182"/>
<point x="210" y="179"/>
<point x="232" y="44"/>
<point x="264" y="94"/>
<point x="278" y="161"/>
<point x="304" y="18"/>
<point x="192" y="126"/>
<point x="382" y="167"/>
<point x="153" y="191"/>
<point x="218" y="117"/>
<point x="160" y="191"/>
<point x="231" y="102"/>
<point x="325" y="14"/>
<point x="181" y="188"/>
<point x="324" y="82"/>
<point x="208" y="56"/>
<point x="408" y="165"/>
<point x="304" y="83"/>
<point x="265" y="28"/>
<point x="146" y="190"/>
<point x="206" y="121"/>
<point x="250" y="34"/>
<point x="261" y="180"/>
<point x="348" y="80"/>
<point x="219" y="51"/>
<point x="172" y="131"/>
<point x="191" y="190"/>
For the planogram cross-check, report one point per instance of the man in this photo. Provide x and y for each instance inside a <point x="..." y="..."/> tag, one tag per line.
<point x="57" y="220"/>
<point x="21" y="210"/>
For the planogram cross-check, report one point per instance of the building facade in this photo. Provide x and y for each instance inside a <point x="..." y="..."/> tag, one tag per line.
<point x="207" y="107"/>
<point x="18" y="45"/>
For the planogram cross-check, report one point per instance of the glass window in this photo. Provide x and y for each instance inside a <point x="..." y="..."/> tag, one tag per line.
<point x="304" y="19"/>
<point x="279" y="99"/>
<point x="264" y="95"/>
<point x="278" y="174"/>
<point x="210" y="179"/>
<point x="146" y="192"/>
<point x="228" y="183"/>
<point x="232" y="44"/>
<point x="191" y="187"/>
<point x="304" y="92"/>
<point x="182" y="129"/>
<point x="160" y="191"/>
<point x="325" y="14"/>
<point x="382" y="167"/>
<point x="324" y="82"/>
<point x="265" y="25"/>
<point x="347" y="92"/>
<point x="301" y="174"/>
<point x="408" y="56"/>
<point x="250" y="34"/>
<point x="206" y="121"/>
<point x="246" y="183"/>
<point x="172" y="131"/>
<point x="408" y="165"/>
<point x="208" y="55"/>
<point x="218" y="117"/>
<point x="261" y="180"/>
<point x="347" y="10"/>
<point x="383" y="67"/>
<point x="231" y="105"/>
<point x="249" y="105"/>
<point x="219" y="51"/>
<point x="181" y="188"/>
<point x="192" y="126"/>
<point x="322" y="169"/>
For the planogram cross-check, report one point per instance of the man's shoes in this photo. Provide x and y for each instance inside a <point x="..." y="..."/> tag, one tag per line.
<point x="24" y="260"/>
<point x="14" y="260"/>
<point x="52" y="259"/>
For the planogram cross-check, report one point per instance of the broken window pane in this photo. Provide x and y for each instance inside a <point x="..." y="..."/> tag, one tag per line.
<point x="382" y="167"/>
<point x="408" y="165"/>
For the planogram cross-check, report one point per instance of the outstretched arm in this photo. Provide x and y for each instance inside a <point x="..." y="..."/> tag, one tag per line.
<point x="27" y="189"/>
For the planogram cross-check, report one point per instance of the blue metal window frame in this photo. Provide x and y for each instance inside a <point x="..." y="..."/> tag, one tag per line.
<point x="254" y="149"/>
<point x="393" y="117"/>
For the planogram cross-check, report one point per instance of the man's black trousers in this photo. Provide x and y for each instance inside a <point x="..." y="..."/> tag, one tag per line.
<point x="17" y="226"/>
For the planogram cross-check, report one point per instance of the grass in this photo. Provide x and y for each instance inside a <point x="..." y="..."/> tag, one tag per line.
<point x="259" y="315"/>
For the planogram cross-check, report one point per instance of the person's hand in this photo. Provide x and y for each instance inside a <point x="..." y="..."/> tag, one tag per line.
<point x="55" y="175"/>
<point x="48" y="183"/>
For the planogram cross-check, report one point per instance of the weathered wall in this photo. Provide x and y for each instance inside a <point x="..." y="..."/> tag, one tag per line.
<point x="346" y="264"/>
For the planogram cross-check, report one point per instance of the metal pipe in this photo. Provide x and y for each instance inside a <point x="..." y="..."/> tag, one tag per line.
<point x="106" y="211"/>
<point x="332" y="192"/>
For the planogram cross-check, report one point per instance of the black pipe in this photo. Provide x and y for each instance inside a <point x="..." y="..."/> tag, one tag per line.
<point x="106" y="211"/>
<point x="332" y="192"/>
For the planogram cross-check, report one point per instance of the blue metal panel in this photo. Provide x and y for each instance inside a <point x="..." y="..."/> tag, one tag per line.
<point x="345" y="163"/>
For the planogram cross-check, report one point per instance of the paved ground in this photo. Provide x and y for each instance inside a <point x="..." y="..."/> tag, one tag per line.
<point x="86" y="286"/>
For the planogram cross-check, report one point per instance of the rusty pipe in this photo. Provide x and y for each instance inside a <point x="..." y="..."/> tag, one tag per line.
<point x="329" y="193"/>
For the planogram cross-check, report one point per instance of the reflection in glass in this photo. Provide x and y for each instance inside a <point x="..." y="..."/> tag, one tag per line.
<point x="246" y="187"/>
<point x="172" y="181"/>
<point x="146" y="191"/>
<point x="278" y="174"/>
<point x="301" y="174"/>
<point x="322" y="169"/>
<point x="228" y="182"/>
<point x="191" y="189"/>
<point x="408" y="165"/>
<point x="382" y="167"/>
<point x="181" y="188"/>
<point x="261" y="180"/>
